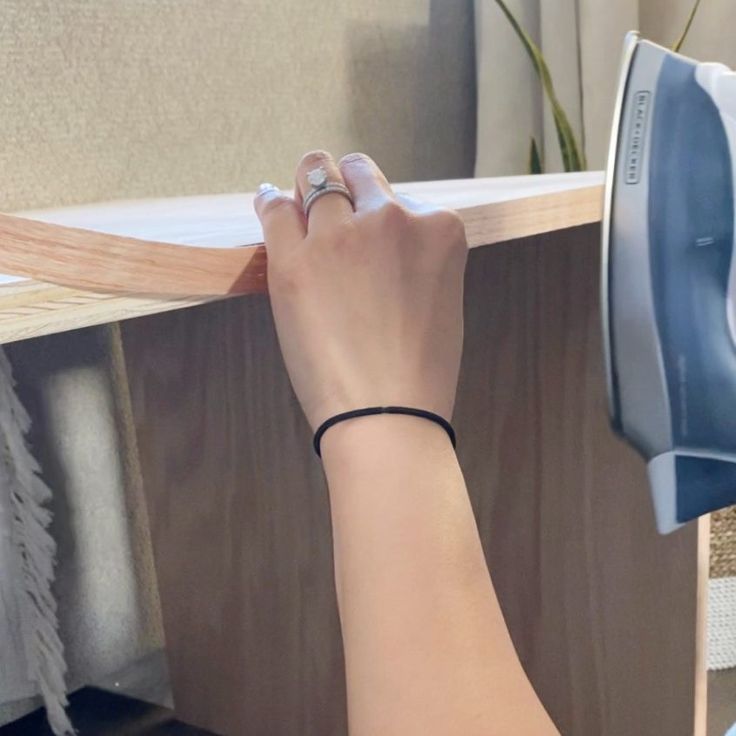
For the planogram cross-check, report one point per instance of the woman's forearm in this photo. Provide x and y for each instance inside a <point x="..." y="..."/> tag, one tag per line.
<point x="367" y="298"/>
<point x="416" y="600"/>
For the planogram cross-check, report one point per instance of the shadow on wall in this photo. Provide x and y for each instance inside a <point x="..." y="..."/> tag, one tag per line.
<point x="406" y="95"/>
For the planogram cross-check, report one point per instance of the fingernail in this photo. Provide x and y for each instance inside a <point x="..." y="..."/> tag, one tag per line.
<point x="266" y="187"/>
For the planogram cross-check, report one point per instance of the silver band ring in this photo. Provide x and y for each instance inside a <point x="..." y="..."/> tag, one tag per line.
<point x="331" y="188"/>
<point x="321" y="186"/>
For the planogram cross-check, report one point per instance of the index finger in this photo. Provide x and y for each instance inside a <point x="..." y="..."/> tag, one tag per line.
<point x="281" y="219"/>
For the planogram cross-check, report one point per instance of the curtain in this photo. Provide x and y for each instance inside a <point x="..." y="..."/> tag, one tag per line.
<point x="581" y="40"/>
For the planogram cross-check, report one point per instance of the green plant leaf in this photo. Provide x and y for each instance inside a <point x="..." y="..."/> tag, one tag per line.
<point x="690" y="19"/>
<point x="535" y="161"/>
<point x="573" y="158"/>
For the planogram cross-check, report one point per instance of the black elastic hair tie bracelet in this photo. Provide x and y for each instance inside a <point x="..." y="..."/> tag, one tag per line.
<point x="382" y="410"/>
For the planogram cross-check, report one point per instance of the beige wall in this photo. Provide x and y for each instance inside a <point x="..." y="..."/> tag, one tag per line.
<point x="104" y="99"/>
<point x="132" y="98"/>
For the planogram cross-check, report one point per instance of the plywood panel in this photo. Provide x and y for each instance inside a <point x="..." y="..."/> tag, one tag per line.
<point x="240" y="524"/>
<point x="602" y="610"/>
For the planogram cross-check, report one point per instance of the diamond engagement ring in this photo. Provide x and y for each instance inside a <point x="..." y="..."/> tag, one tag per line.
<point x="321" y="186"/>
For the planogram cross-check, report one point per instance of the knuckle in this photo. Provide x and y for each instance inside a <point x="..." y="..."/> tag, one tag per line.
<point x="450" y="225"/>
<point x="446" y="219"/>
<point x="393" y="215"/>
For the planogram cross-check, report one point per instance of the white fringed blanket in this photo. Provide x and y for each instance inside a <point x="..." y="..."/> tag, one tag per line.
<point x="31" y="653"/>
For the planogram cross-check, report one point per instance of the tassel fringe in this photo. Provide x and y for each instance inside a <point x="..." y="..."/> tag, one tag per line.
<point x="20" y="473"/>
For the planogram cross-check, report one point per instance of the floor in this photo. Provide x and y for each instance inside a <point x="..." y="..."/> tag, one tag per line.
<point x="97" y="712"/>
<point x="148" y="680"/>
<point x="721" y="701"/>
<point x="135" y="701"/>
<point x="145" y="679"/>
<point x="116" y="708"/>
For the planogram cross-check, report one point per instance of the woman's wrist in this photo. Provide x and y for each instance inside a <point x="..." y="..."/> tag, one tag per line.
<point x="378" y="438"/>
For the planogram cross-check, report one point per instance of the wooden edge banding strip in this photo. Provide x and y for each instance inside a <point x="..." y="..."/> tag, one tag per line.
<point x="499" y="222"/>
<point x="95" y="261"/>
<point x="701" y="629"/>
<point x="85" y="259"/>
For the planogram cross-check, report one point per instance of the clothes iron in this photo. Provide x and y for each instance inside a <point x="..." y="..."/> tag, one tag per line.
<point x="668" y="274"/>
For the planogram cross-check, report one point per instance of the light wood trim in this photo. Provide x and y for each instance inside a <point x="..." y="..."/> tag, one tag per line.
<point x="98" y="261"/>
<point x="700" y="727"/>
<point x="118" y="260"/>
<point x="31" y="309"/>
<point x="521" y="218"/>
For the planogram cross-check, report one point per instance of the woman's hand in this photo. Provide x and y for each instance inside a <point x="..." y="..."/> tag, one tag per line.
<point x="368" y="307"/>
<point x="368" y="303"/>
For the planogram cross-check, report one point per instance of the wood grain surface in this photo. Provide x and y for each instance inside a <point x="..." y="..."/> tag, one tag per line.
<point x="240" y="524"/>
<point x="116" y="260"/>
<point x="32" y="309"/>
<point x="601" y="608"/>
<point x="82" y="266"/>
<point x="98" y="260"/>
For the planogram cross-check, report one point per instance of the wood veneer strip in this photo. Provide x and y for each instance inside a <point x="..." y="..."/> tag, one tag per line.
<point x="494" y="210"/>
<point x="96" y="261"/>
<point x="85" y="259"/>
<point x="700" y="726"/>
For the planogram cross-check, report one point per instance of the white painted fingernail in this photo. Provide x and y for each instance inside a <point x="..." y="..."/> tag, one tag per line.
<point x="266" y="187"/>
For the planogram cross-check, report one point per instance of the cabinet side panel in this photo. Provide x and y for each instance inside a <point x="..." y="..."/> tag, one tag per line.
<point x="240" y="524"/>
<point x="601" y="608"/>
